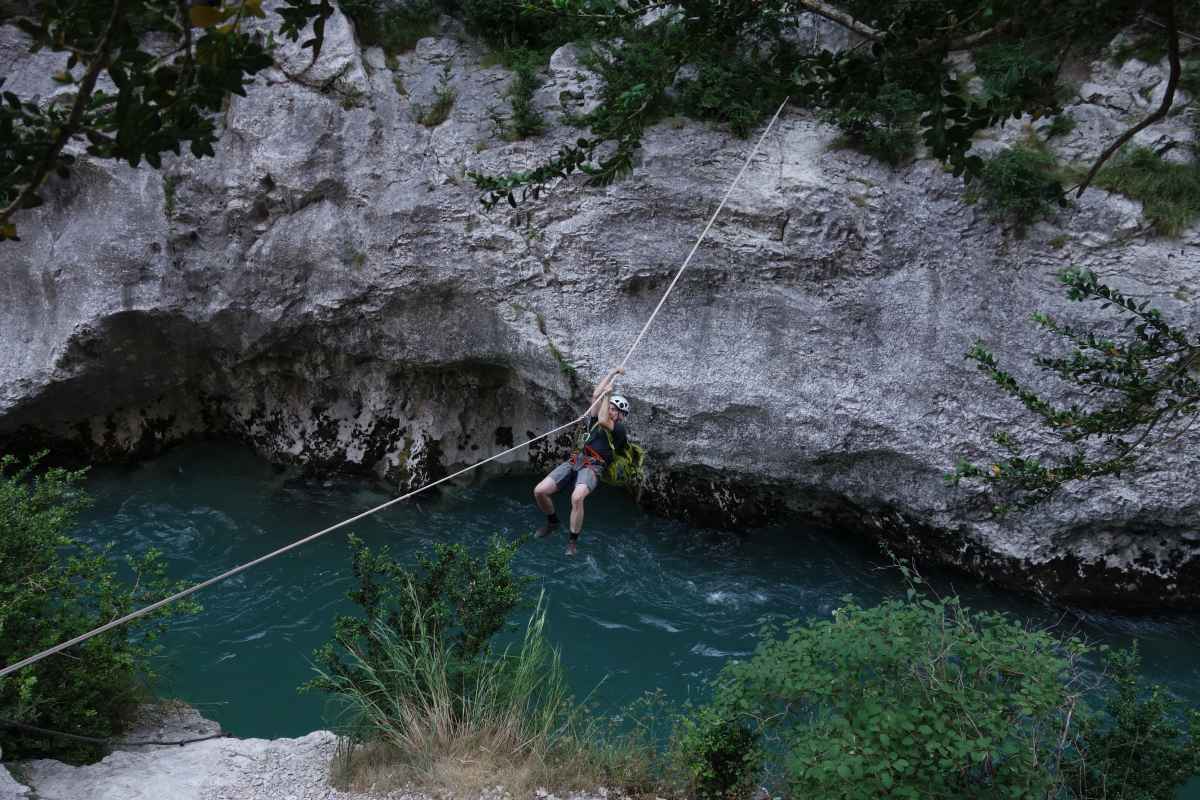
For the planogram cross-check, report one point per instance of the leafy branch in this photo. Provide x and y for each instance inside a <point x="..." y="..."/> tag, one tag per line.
<point x="161" y="101"/>
<point x="27" y="197"/>
<point x="896" y="85"/>
<point x="1138" y="386"/>
<point x="580" y="157"/>
<point x="1172" y="30"/>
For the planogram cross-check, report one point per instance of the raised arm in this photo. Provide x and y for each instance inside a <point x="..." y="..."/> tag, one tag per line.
<point x="601" y="392"/>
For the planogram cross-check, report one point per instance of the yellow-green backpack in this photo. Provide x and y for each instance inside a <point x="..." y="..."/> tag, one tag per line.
<point x="627" y="467"/>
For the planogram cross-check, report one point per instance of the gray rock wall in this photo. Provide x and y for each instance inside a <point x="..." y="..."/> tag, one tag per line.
<point x="222" y="768"/>
<point x="328" y="289"/>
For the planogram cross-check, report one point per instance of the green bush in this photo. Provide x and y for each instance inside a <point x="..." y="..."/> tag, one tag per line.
<point x="1061" y="125"/>
<point x="525" y="120"/>
<point x="443" y="101"/>
<point x="883" y="125"/>
<point x="511" y="24"/>
<point x="1014" y="70"/>
<point x="1149" y="48"/>
<point x="1140" y="747"/>
<point x="403" y="689"/>
<point x="722" y="755"/>
<point x="453" y="598"/>
<point x="731" y="84"/>
<point x="909" y="699"/>
<point x="439" y="110"/>
<point x="1169" y="193"/>
<point x="636" y="76"/>
<point x="924" y="697"/>
<point x="1021" y="185"/>
<point x="737" y="88"/>
<point x="1189" y="81"/>
<point x="428" y="699"/>
<point x="54" y="587"/>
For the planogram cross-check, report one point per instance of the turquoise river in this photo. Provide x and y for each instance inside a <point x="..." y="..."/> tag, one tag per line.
<point x="648" y="602"/>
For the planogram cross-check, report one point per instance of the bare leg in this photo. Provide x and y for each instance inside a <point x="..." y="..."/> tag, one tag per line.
<point x="541" y="495"/>
<point x="577" y="497"/>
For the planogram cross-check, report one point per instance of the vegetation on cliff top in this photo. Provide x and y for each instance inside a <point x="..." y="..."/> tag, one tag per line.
<point x="898" y="84"/>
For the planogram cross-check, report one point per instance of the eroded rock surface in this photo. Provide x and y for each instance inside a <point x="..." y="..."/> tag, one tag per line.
<point x="329" y="290"/>
<point x="223" y="768"/>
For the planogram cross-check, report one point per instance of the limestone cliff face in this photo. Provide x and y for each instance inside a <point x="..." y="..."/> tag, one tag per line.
<point x="328" y="289"/>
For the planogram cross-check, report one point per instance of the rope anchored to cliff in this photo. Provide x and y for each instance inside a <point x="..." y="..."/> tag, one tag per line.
<point x="298" y="543"/>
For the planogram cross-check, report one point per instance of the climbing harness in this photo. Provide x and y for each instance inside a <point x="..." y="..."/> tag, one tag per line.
<point x="582" y="436"/>
<point x="626" y="468"/>
<point x="243" y="567"/>
<point x="587" y="459"/>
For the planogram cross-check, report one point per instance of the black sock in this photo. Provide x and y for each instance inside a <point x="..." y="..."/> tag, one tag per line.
<point x="552" y="519"/>
<point x="574" y="537"/>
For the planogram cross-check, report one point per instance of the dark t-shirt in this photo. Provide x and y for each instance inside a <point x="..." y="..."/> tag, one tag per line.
<point x="598" y="441"/>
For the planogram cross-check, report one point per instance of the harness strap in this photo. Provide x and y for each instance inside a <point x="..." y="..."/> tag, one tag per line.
<point x="589" y="459"/>
<point x="586" y="457"/>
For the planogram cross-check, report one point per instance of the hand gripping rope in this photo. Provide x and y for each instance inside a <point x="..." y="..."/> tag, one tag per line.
<point x="230" y="573"/>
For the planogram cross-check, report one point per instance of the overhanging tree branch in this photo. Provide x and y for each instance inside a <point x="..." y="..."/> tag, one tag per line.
<point x="163" y="98"/>
<point x="979" y="37"/>
<point x="1141" y="397"/>
<point x="185" y="27"/>
<point x="840" y="17"/>
<point x="1164" y="107"/>
<point x="861" y="28"/>
<point x="99" y="59"/>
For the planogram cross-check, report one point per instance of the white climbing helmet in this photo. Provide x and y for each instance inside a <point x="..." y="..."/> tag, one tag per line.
<point x="620" y="402"/>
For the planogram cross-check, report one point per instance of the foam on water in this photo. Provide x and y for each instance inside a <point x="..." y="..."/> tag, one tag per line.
<point x="658" y="623"/>
<point x="713" y="652"/>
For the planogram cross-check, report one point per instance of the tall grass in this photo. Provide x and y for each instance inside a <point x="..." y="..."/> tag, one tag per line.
<point x="443" y="100"/>
<point x="1020" y="185"/>
<point x="1170" y="193"/>
<point x="415" y="716"/>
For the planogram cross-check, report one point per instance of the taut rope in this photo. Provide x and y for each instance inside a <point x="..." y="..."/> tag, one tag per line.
<point x="242" y="568"/>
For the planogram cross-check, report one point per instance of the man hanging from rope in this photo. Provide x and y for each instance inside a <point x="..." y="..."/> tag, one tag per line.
<point x="605" y="437"/>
